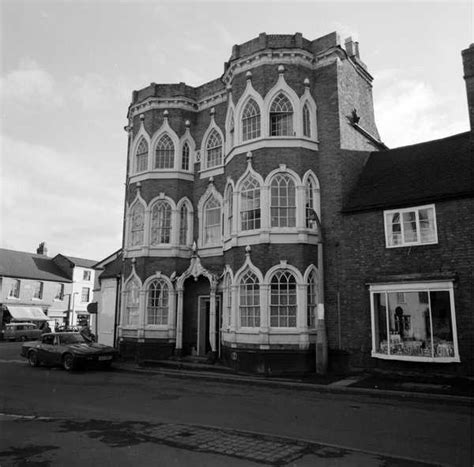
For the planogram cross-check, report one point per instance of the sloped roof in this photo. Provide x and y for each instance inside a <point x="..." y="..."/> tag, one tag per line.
<point x="420" y="173"/>
<point x="112" y="268"/>
<point x="30" y="266"/>
<point x="81" y="262"/>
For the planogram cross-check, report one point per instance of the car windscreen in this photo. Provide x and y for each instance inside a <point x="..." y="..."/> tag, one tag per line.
<point x="71" y="339"/>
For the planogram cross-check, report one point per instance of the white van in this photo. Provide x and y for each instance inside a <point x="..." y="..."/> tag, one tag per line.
<point x="21" y="331"/>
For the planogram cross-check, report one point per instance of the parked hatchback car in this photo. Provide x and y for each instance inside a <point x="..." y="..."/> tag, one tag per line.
<point x="21" y="331"/>
<point x="69" y="350"/>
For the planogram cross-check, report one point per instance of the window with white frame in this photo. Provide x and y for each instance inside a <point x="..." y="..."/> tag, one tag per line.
<point x="229" y="204"/>
<point x="232" y="131"/>
<point x="38" y="290"/>
<point x="213" y="149"/>
<point x="137" y="224"/>
<point x="306" y="121"/>
<point x="283" y="201"/>
<point x="312" y="298"/>
<point x="228" y="299"/>
<point x="185" y="157"/>
<point x="251" y="121"/>
<point x="212" y="222"/>
<point x="183" y="225"/>
<point x="411" y="226"/>
<point x="281" y="116"/>
<point x="142" y="156"/>
<point x="311" y="215"/>
<point x="420" y="328"/>
<point x="164" y="155"/>
<point x="14" y="291"/>
<point x="250" y="204"/>
<point x="160" y="223"/>
<point x="283" y="304"/>
<point x="86" y="275"/>
<point x="85" y="294"/>
<point x="132" y="302"/>
<point x="249" y="300"/>
<point x="59" y="292"/>
<point x="157" y="302"/>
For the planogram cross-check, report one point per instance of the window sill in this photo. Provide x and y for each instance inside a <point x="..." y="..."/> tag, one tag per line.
<point x="416" y="359"/>
<point x="212" y="171"/>
<point x="409" y="245"/>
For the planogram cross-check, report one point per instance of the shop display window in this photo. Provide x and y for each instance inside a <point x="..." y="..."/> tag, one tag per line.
<point x="419" y="327"/>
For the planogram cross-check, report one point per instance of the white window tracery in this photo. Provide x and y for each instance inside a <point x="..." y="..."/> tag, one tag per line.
<point x="137" y="224"/>
<point x="213" y="149"/>
<point x="157" y="302"/>
<point x="249" y="300"/>
<point x="212" y="221"/>
<point x="164" y="154"/>
<point x="250" y="216"/>
<point x="283" y="201"/>
<point x="281" y="116"/>
<point x="283" y="300"/>
<point x="251" y="121"/>
<point x="132" y="303"/>
<point x="160" y="223"/>
<point x="142" y="156"/>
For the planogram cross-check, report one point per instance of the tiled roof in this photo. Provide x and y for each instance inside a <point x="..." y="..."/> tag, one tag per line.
<point x="30" y="266"/>
<point x="113" y="268"/>
<point x="81" y="262"/>
<point x="421" y="173"/>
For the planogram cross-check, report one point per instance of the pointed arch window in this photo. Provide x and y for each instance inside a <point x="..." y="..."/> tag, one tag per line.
<point x="306" y="121"/>
<point x="312" y="298"/>
<point x="283" y="305"/>
<point x="232" y="130"/>
<point x="249" y="300"/>
<point x="185" y="157"/>
<point x="227" y="300"/>
<point x="214" y="149"/>
<point x="132" y="303"/>
<point x="157" y="303"/>
<point x="160" y="223"/>
<point x="281" y="116"/>
<point x="311" y="208"/>
<point x="142" y="156"/>
<point x="183" y="225"/>
<point x="229" y="203"/>
<point x="283" y="201"/>
<point x="212" y="221"/>
<point x="251" y="121"/>
<point x="164" y="156"/>
<point x="137" y="224"/>
<point x="250" y="204"/>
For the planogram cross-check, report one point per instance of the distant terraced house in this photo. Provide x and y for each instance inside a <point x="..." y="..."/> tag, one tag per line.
<point x="37" y="288"/>
<point x="268" y="226"/>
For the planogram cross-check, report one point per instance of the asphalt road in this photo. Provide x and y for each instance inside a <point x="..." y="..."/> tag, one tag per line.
<point x="52" y="417"/>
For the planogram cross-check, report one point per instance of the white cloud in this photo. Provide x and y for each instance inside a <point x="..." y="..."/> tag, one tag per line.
<point x="29" y="84"/>
<point x="409" y="111"/>
<point x="47" y="195"/>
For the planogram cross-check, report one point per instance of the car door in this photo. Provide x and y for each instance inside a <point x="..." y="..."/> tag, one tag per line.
<point x="47" y="349"/>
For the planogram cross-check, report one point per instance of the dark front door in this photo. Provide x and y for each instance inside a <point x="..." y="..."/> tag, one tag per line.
<point x="203" y="328"/>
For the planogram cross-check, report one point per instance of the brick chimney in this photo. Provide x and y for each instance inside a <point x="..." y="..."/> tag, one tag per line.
<point x="468" y="62"/>
<point x="42" y="250"/>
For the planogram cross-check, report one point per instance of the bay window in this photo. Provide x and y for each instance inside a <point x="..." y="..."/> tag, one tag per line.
<point x="420" y="327"/>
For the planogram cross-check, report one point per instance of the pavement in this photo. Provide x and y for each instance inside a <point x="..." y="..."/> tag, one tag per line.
<point x="459" y="391"/>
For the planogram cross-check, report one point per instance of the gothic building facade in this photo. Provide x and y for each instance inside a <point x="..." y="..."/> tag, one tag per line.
<point x="234" y="195"/>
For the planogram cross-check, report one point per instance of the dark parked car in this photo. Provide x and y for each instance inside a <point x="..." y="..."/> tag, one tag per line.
<point x="68" y="349"/>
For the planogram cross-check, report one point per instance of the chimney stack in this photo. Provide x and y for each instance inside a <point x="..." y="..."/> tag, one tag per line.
<point x="42" y="250"/>
<point x="468" y="62"/>
<point x="352" y="48"/>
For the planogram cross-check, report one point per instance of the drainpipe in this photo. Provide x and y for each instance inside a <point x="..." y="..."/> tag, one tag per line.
<point x="321" y="335"/>
<point x="117" y="308"/>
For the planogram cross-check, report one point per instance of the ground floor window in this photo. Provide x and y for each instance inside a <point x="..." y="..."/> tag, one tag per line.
<point x="414" y="322"/>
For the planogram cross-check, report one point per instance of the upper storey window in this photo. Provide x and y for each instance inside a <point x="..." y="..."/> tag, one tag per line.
<point x="185" y="157"/>
<point x="281" y="116"/>
<point x="412" y="226"/>
<point x="142" y="156"/>
<point x="250" y="204"/>
<point x="306" y="121"/>
<point x="283" y="201"/>
<point x="137" y="223"/>
<point x="213" y="150"/>
<point x="164" y="156"/>
<point x="161" y="223"/>
<point x="251" y="121"/>
<point x="183" y="225"/>
<point x="212" y="221"/>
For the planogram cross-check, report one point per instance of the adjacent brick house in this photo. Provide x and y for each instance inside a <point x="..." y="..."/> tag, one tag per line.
<point x="240" y="239"/>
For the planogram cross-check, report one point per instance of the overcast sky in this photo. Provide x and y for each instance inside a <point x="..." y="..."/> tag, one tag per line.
<point x="68" y="70"/>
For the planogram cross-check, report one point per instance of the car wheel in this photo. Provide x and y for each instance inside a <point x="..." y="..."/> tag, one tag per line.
<point x="33" y="359"/>
<point x="68" y="362"/>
